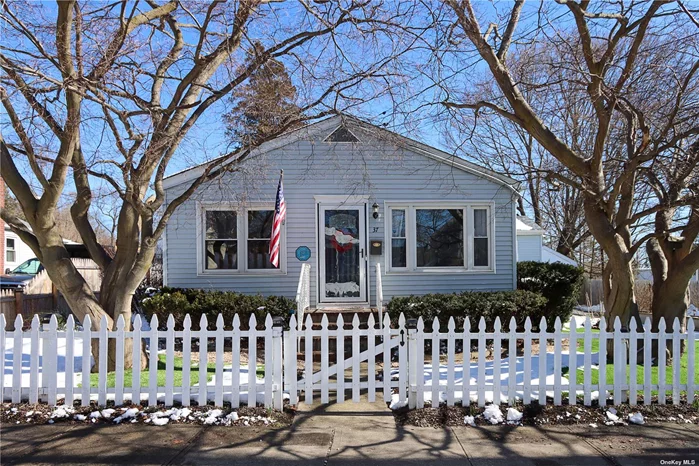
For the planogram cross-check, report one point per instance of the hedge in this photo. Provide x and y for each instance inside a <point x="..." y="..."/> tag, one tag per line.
<point x="182" y="301"/>
<point x="559" y="283"/>
<point x="472" y="304"/>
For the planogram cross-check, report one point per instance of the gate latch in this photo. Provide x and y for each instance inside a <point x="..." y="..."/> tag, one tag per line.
<point x="402" y="337"/>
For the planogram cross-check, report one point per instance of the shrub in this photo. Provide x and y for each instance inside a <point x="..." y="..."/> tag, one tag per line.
<point x="559" y="283"/>
<point x="472" y="304"/>
<point x="182" y="301"/>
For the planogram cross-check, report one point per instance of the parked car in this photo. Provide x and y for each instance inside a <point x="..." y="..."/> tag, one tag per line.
<point x="27" y="270"/>
<point x="21" y="275"/>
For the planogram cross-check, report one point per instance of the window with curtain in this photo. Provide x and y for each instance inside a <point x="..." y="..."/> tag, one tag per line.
<point x="258" y="237"/>
<point x="221" y="240"/>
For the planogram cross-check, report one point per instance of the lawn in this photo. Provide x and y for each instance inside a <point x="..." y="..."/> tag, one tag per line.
<point x="594" y="374"/>
<point x="177" y="374"/>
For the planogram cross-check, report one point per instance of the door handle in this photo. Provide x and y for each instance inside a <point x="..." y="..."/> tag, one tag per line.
<point x="361" y="253"/>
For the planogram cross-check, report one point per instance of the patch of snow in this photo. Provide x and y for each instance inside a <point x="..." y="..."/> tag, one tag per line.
<point x="493" y="414"/>
<point x="611" y="416"/>
<point x="513" y="415"/>
<point x="60" y="412"/>
<point x="212" y="416"/>
<point x="396" y="403"/>
<point x="129" y="413"/>
<point x="80" y="417"/>
<point x="470" y="421"/>
<point x="160" y="421"/>
<point x="636" y="418"/>
<point x="233" y="416"/>
<point x="502" y="371"/>
<point x="107" y="413"/>
<point x="95" y="415"/>
<point x="594" y="426"/>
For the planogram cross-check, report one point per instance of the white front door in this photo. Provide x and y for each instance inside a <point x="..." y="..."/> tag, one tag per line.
<point x="343" y="253"/>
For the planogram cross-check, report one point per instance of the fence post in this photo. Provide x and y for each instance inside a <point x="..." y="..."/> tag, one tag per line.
<point x="290" y="358"/>
<point x="54" y="296"/>
<point x="50" y="362"/>
<point x="19" y="302"/>
<point x="277" y="358"/>
<point x="413" y="370"/>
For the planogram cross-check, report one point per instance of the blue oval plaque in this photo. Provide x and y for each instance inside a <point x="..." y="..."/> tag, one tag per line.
<point x="303" y="253"/>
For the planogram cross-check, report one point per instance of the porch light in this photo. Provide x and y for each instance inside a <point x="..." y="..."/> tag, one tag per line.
<point x="411" y="324"/>
<point x="375" y="210"/>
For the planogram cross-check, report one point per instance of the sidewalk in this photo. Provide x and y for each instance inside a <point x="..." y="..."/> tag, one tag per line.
<point x="349" y="434"/>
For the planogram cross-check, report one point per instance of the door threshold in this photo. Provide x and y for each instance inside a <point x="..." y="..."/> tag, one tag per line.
<point x="342" y="307"/>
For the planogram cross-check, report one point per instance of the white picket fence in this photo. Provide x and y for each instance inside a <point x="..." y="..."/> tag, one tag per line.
<point x="405" y="363"/>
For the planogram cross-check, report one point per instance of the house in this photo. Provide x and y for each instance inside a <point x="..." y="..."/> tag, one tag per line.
<point x="360" y="200"/>
<point x="530" y="244"/>
<point x="15" y="251"/>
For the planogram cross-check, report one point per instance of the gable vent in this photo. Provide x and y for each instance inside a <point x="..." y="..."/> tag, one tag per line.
<point x="341" y="134"/>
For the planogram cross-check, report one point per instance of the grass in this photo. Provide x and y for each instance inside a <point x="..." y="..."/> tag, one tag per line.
<point x="177" y="374"/>
<point x="640" y="377"/>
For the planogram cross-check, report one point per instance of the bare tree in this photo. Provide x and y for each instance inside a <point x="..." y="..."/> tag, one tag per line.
<point x="614" y="52"/>
<point x="674" y="258"/>
<point x="109" y="92"/>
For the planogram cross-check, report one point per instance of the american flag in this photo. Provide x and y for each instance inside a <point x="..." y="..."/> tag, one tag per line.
<point x="279" y="216"/>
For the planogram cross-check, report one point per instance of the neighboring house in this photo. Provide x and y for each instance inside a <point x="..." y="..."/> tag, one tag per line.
<point x="356" y="195"/>
<point x="15" y="251"/>
<point x="530" y="244"/>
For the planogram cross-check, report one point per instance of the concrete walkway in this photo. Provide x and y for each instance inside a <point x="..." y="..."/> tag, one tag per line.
<point x="348" y="434"/>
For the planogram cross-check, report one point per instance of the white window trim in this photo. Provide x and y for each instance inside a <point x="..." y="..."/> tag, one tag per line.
<point x="242" y="240"/>
<point x="411" y="259"/>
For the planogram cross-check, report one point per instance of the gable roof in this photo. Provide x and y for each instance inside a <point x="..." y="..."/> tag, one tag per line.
<point x="329" y="126"/>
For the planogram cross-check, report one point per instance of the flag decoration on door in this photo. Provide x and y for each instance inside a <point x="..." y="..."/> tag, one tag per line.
<point x="279" y="217"/>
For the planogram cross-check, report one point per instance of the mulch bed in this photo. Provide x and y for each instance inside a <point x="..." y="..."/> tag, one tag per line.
<point x="37" y="414"/>
<point x="535" y="414"/>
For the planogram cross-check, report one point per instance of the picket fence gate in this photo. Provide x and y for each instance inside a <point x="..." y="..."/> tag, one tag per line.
<point x="367" y="359"/>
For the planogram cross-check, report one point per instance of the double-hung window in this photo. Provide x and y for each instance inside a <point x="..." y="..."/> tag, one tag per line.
<point x="10" y="250"/>
<point x="237" y="240"/>
<point x="221" y="244"/>
<point x="434" y="237"/>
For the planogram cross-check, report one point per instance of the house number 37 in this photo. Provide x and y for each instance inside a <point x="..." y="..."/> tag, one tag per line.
<point x="375" y="229"/>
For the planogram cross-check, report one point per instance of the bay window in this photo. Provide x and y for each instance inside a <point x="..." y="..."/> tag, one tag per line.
<point x="236" y="240"/>
<point x="444" y="236"/>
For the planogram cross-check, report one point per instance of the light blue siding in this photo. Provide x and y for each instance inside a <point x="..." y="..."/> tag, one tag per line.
<point x="377" y="168"/>
<point x="529" y="248"/>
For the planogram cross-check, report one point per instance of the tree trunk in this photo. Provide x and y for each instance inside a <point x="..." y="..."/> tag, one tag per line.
<point x="618" y="276"/>
<point x="670" y="295"/>
<point x="116" y="300"/>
